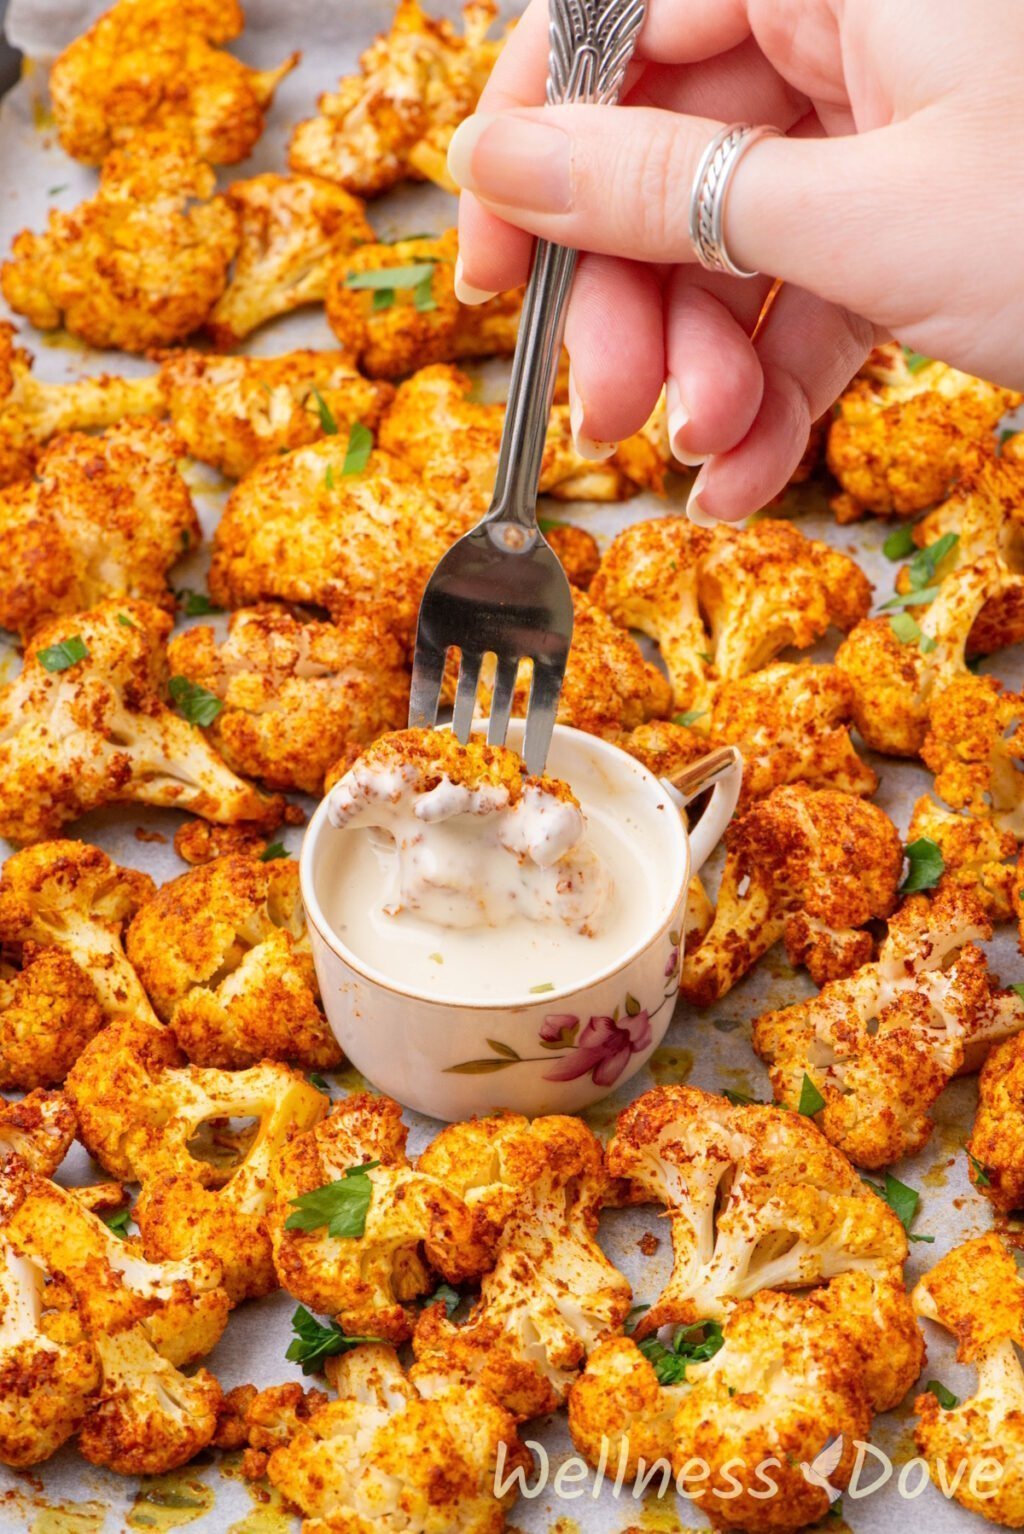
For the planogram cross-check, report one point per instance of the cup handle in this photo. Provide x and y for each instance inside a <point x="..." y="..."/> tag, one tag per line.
<point x="724" y="769"/>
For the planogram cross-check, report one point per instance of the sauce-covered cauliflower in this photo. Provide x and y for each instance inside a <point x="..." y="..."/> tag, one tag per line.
<point x="158" y="64"/>
<point x="880" y="1046"/>
<point x="299" y="694"/>
<point x="141" y="263"/>
<point x="393" y="121"/>
<point x="810" y="865"/>
<point x="86" y="724"/>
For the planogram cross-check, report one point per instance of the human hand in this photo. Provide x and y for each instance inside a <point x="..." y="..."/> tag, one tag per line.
<point x="894" y="206"/>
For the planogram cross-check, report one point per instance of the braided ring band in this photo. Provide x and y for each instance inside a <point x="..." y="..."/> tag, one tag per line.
<point x="710" y="188"/>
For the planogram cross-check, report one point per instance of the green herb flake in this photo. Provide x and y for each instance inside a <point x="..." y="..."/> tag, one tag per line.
<point x="360" y="446"/>
<point x="690" y="717"/>
<point x="741" y="1100"/>
<point x="405" y="239"/>
<point x="273" y="852"/>
<point x="632" y="1320"/>
<point x="899" y="543"/>
<point x="118" y="1222"/>
<point x="423" y="295"/>
<point x="1007" y="433"/>
<point x="391" y="277"/>
<point x="328" y="425"/>
<point x="550" y="524"/>
<point x="195" y="703"/>
<point x="451" y="1297"/>
<point x="909" y="631"/>
<point x="902" y="1200"/>
<point x="318" y="1081"/>
<point x="982" y="1176"/>
<point x="329" y="477"/>
<point x="811" y="1100"/>
<point x="124" y="620"/>
<point x="689" y="1345"/>
<point x="916" y="360"/>
<point x="383" y="298"/>
<point x="946" y="1399"/>
<point x="313" y="1342"/>
<point x="538" y="990"/>
<point x="196" y="604"/>
<point x="58" y="657"/>
<point x="915" y="598"/>
<point x="925" y="865"/>
<point x="1018" y="987"/>
<point x="341" y="1206"/>
<point x="55" y="191"/>
<point x="923" y="566"/>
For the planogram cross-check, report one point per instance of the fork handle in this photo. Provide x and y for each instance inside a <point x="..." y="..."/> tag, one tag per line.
<point x="591" y="44"/>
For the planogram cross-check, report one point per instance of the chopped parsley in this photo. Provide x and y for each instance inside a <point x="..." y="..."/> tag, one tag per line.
<point x="360" y="446"/>
<point x="916" y="360"/>
<point x="741" y="1100"/>
<point x="946" y="1399"/>
<point x="318" y="1081"/>
<point x="313" y="1342"/>
<point x="54" y="191"/>
<point x="196" y="604"/>
<point x="118" y="1222"/>
<point x="195" y="703"/>
<point x="909" y="631"/>
<point x="392" y="277"/>
<point x="811" y="1100"/>
<point x="328" y="425"/>
<point x="925" y="562"/>
<point x="899" y="543"/>
<point x="124" y="620"/>
<point x="273" y="852"/>
<point x="383" y="298"/>
<point x="341" y="1205"/>
<point x="632" y="1320"/>
<point x="982" y="1176"/>
<point x="451" y="1297"/>
<point x="548" y="524"/>
<point x="690" y="717"/>
<point x="902" y="1200"/>
<point x="689" y="1345"/>
<point x="1018" y="986"/>
<point x="329" y="477"/>
<point x="925" y="865"/>
<point x="58" y="657"/>
<point x="423" y="295"/>
<point x="915" y="598"/>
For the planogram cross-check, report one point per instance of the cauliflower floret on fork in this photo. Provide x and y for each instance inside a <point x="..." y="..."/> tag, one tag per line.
<point x="157" y="64"/>
<point x="298" y="694"/>
<point x="880" y="1046"/>
<point x="810" y="865"/>
<point x="105" y="516"/>
<point x="393" y="121"/>
<point x="86" y="724"/>
<point x="138" y="265"/>
<point x="976" y="1446"/>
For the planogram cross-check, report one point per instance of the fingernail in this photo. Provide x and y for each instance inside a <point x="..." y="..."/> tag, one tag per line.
<point x="514" y="160"/>
<point x="694" y="511"/>
<point x="587" y="447"/>
<point x="465" y="292"/>
<point x="678" y="420"/>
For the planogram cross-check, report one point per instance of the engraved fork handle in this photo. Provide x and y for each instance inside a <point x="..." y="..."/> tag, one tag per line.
<point x="592" y="42"/>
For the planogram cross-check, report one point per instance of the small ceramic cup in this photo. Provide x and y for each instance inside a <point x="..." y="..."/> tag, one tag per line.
<point x="452" y="1058"/>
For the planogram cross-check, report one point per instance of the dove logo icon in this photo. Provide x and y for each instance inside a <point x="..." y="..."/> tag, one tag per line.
<point x="824" y="1464"/>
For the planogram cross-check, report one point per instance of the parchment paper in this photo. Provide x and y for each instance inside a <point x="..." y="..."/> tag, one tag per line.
<point x="68" y="1496"/>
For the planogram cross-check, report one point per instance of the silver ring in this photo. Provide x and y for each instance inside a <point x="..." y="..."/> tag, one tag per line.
<point x="710" y="189"/>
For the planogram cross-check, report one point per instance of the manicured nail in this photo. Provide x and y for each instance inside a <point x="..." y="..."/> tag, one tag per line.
<point x="587" y="447"/>
<point x="694" y="511"/>
<point x="514" y="160"/>
<point x="465" y="292"/>
<point x="678" y="420"/>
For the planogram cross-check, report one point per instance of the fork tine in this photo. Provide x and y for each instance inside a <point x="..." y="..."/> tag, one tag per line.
<point x="427" y="677"/>
<point x="501" y="700"/>
<point x="540" y="714"/>
<point x="465" y="695"/>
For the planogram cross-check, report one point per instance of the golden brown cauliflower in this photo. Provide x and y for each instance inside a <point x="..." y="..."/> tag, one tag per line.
<point x="393" y="121"/>
<point x="105" y="517"/>
<point x="977" y="1445"/>
<point x="395" y="1224"/>
<point x="810" y="865"/>
<point x="298" y="694"/>
<point x="291" y="231"/>
<point x="224" y="954"/>
<point x="140" y="264"/>
<point x="996" y="1145"/>
<point x="234" y="411"/>
<point x="977" y="856"/>
<point x="155" y="64"/>
<point x="880" y="1046"/>
<point x="38" y="1129"/>
<point x="32" y="412"/>
<point x="395" y="330"/>
<point x="536" y="1190"/>
<point x="85" y="724"/>
<point x="49" y="1011"/>
<point x="392" y="1457"/>
<point x="299" y="529"/>
<point x="975" y="748"/>
<point x="723" y="602"/>
<point x="903" y="429"/>
<point x="577" y="551"/>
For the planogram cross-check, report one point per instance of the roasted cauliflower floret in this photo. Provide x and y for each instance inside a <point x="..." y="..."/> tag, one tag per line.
<point x="810" y="865"/>
<point x="577" y="551"/>
<point x="551" y="1294"/>
<point x="395" y="330"/>
<point x="71" y="897"/>
<point x="292" y="229"/>
<point x="996" y="1145"/>
<point x="903" y="429"/>
<point x="49" y="1010"/>
<point x="977" y="1446"/>
<point x="106" y="516"/>
<point x="977" y="856"/>
<point x="723" y="602"/>
<point x="390" y="1456"/>
<point x="85" y="724"/>
<point x="975" y="748"/>
<point x="234" y="411"/>
<point x="881" y="1045"/>
<point x="140" y="264"/>
<point x="757" y="1199"/>
<point x="298" y="694"/>
<point x="38" y="1129"/>
<point x="393" y="121"/>
<point x="395" y="1225"/>
<point x="157" y="64"/>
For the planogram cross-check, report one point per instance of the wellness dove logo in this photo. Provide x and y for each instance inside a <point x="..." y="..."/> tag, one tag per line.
<point x="823" y="1465"/>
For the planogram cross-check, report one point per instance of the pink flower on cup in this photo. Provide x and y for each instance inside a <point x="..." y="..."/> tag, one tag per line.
<point x="559" y="1030"/>
<point x="604" y="1048"/>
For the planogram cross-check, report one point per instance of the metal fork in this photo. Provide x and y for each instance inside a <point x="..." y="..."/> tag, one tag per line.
<point x="500" y="589"/>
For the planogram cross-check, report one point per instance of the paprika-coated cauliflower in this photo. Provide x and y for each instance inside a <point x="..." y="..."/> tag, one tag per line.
<point x="98" y="731"/>
<point x="105" y="517"/>
<point x="536" y="1191"/>
<point x="298" y="694"/>
<point x="419" y="321"/>
<point x="757" y="1199"/>
<point x="977" y="1446"/>
<point x="977" y="856"/>
<point x="882" y="1044"/>
<point x="49" y="1010"/>
<point x="997" y="1138"/>
<point x="31" y="412"/>
<point x="234" y="411"/>
<point x="577" y="551"/>
<point x="157" y="64"/>
<point x="140" y="264"/>
<point x="291" y="230"/>
<point x="975" y="748"/>
<point x="39" y="1129"/>
<point x="71" y="897"/>
<point x="413" y="1223"/>
<point x="393" y="121"/>
<point x="810" y="865"/>
<point x="903" y="429"/>
<point x="392" y="1457"/>
<point x="224" y="955"/>
<point x="723" y="602"/>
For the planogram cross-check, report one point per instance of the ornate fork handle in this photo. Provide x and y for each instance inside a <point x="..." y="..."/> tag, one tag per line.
<point x="592" y="42"/>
